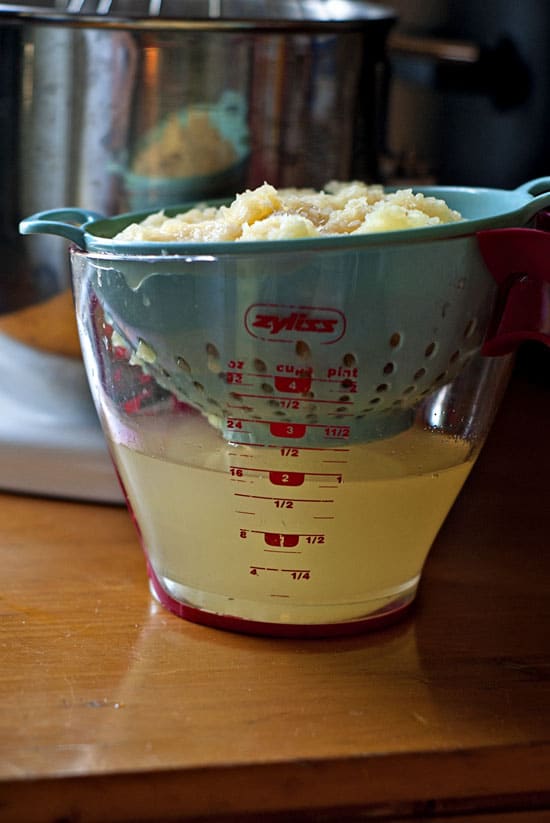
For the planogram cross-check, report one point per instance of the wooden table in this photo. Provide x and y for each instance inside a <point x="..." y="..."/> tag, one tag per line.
<point x="112" y="709"/>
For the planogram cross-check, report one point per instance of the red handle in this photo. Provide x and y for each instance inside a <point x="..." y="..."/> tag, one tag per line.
<point x="519" y="260"/>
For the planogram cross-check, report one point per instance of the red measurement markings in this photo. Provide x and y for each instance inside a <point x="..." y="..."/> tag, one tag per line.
<point x="292" y="385"/>
<point x="242" y="456"/>
<point x="340" y="383"/>
<point x="236" y="424"/>
<point x="290" y="431"/>
<point x="294" y="431"/>
<point x="282" y="399"/>
<point x="294" y="451"/>
<point x="286" y="541"/>
<point x="237" y="475"/>
<point x="236" y="379"/>
<point x="337" y="432"/>
<point x="284" y="499"/>
<point x="256" y="569"/>
<point x="278" y="478"/>
<point x="296" y="574"/>
<point x="281" y="540"/>
<point x="337" y="478"/>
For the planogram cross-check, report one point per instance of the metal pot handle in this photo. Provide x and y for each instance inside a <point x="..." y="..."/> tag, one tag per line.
<point x="69" y="223"/>
<point x="498" y="71"/>
<point x="519" y="261"/>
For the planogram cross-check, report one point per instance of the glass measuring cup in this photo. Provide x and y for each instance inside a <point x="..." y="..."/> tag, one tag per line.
<point x="290" y="429"/>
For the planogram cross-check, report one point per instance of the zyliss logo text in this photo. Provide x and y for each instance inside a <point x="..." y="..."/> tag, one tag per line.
<point x="289" y="323"/>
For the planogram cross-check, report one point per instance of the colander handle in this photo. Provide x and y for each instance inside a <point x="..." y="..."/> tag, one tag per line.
<point x="538" y="193"/>
<point x="519" y="261"/>
<point x="69" y="223"/>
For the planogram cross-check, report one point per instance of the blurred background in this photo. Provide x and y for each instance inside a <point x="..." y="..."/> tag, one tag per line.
<point x="469" y="103"/>
<point x="118" y="105"/>
<point x="470" y="91"/>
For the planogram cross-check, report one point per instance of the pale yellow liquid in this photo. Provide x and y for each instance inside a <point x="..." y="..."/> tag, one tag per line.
<point x="353" y="535"/>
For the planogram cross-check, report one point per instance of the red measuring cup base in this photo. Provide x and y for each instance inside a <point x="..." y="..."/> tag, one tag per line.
<point x="378" y="620"/>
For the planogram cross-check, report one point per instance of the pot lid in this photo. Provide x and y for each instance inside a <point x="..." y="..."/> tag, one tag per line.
<point x="205" y="14"/>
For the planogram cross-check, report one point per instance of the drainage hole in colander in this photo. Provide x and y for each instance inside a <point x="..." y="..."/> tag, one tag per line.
<point x="440" y="377"/>
<point x="430" y="349"/>
<point x="341" y="409"/>
<point x="389" y="368"/>
<point x="259" y="365"/>
<point x="374" y="401"/>
<point x="280" y="414"/>
<point x="454" y="356"/>
<point x="419" y="374"/>
<point x="182" y="364"/>
<point x="470" y="328"/>
<point x="273" y="403"/>
<point x="395" y="340"/>
<point x="344" y="398"/>
<point x="349" y="360"/>
<point x="212" y="402"/>
<point x="302" y="350"/>
<point x="234" y="395"/>
<point x="213" y="358"/>
<point x="409" y="390"/>
<point x="382" y="387"/>
<point x="267" y="388"/>
<point x="198" y="386"/>
<point x="312" y="418"/>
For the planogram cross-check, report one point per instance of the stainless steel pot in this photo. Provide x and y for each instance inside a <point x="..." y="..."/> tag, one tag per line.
<point x="470" y="91"/>
<point x="98" y="101"/>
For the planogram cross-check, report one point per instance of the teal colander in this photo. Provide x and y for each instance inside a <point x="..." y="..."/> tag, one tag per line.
<point x="317" y="333"/>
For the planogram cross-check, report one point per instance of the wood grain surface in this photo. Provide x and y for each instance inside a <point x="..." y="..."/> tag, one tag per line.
<point x="114" y="710"/>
